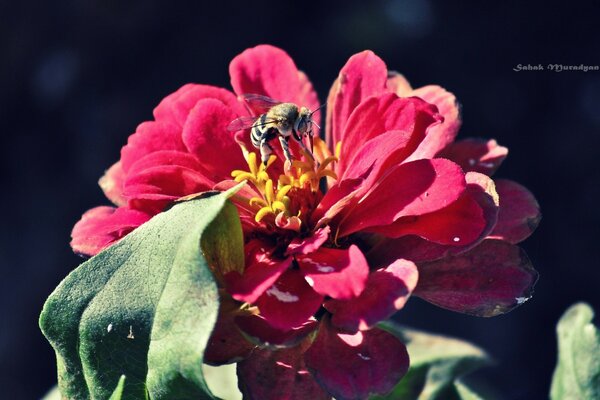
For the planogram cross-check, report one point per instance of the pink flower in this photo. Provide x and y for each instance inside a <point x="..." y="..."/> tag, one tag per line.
<point x="404" y="204"/>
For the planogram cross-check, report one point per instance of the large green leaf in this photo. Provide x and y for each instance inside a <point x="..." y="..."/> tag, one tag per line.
<point x="577" y="374"/>
<point x="436" y="363"/>
<point x="145" y="307"/>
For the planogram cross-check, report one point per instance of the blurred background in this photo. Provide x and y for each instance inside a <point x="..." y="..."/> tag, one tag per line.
<point x="77" y="77"/>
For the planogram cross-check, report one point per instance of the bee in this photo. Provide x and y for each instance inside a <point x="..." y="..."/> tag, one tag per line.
<point x="281" y="120"/>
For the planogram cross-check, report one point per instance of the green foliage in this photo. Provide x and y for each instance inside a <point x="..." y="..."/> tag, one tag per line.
<point x="436" y="363"/>
<point x="577" y="374"/>
<point x="145" y="307"/>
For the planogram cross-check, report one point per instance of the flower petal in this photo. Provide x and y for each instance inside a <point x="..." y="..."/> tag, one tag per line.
<point x="386" y="292"/>
<point x="410" y="189"/>
<point x="259" y="331"/>
<point x="290" y="302"/>
<point x="162" y="177"/>
<point x="356" y="366"/>
<point x="481" y="189"/>
<point x="376" y="115"/>
<point x="364" y="75"/>
<point x="278" y="375"/>
<point x="260" y="274"/>
<point x="205" y="135"/>
<point x="519" y="212"/>
<point x="309" y="244"/>
<point x="479" y="155"/>
<point x="176" y="107"/>
<point x="150" y="137"/>
<point x="270" y="71"/>
<point x="397" y="83"/>
<point x="112" y="184"/>
<point x="491" y="279"/>
<point x="100" y="227"/>
<point x="439" y="136"/>
<point x="340" y="274"/>
<point x="458" y="224"/>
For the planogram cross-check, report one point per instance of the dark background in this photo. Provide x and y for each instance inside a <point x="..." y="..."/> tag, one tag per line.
<point x="76" y="77"/>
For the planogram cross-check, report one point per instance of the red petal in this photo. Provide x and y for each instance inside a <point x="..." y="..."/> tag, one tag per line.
<point x="102" y="226"/>
<point x="278" y="375"/>
<point x="481" y="189"/>
<point x="176" y="107"/>
<point x="376" y="115"/>
<point x="458" y="224"/>
<point x="397" y="83"/>
<point x="258" y="330"/>
<point x="309" y="244"/>
<point x="290" y="302"/>
<point x="519" y="212"/>
<point x="112" y="184"/>
<point x="260" y="275"/>
<point x="338" y="198"/>
<point x="270" y="71"/>
<point x="386" y="292"/>
<point x="438" y="136"/>
<point x="227" y="344"/>
<point x="356" y="366"/>
<point x="479" y="155"/>
<point x="205" y="135"/>
<point x="364" y="75"/>
<point x="337" y="273"/>
<point x="148" y="138"/>
<point x="161" y="177"/>
<point x="491" y="279"/>
<point x="414" y="188"/>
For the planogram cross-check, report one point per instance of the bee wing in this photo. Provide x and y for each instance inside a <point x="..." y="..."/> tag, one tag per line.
<point x="241" y="124"/>
<point x="260" y="104"/>
<point x="244" y="123"/>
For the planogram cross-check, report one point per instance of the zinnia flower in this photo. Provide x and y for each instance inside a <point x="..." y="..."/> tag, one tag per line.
<point x="389" y="206"/>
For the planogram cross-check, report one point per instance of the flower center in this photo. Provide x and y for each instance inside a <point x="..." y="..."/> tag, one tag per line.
<point x="286" y="200"/>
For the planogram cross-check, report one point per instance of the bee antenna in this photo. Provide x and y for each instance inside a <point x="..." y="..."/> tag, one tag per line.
<point x="315" y="124"/>
<point x="317" y="109"/>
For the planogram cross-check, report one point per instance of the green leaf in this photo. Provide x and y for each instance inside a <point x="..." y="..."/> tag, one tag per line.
<point x="436" y="362"/>
<point x="145" y="307"/>
<point x="577" y="374"/>
<point x="118" y="393"/>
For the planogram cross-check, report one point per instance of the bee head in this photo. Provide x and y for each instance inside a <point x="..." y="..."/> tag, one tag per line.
<point x="303" y="123"/>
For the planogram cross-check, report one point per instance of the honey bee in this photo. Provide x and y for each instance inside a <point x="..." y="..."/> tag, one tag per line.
<point x="281" y="120"/>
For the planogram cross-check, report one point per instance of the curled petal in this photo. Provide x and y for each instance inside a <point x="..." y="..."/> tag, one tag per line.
<point x="491" y="279"/>
<point x="112" y="184"/>
<point x="479" y="155"/>
<point x="162" y="177"/>
<point x="386" y="292"/>
<point x="175" y="108"/>
<point x="290" y="302"/>
<point x="438" y="136"/>
<point x="364" y="75"/>
<point x="278" y="375"/>
<point x="410" y="117"/>
<point x="519" y="212"/>
<point x="337" y="273"/>
<point x="270" y="71"/>
<point x="100" y="227"/>
<point x="150" y="137"/>
<point x="205" y="135"/>
<point x="356" y="366"/>
<point x="410" y="189"/>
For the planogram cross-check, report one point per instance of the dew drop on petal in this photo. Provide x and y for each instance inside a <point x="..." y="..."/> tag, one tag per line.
<point x="456" y="239"/>
<point x="363" y="357"/>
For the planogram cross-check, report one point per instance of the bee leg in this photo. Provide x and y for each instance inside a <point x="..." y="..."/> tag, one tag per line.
<point x="265" y="151"/>
<point x="307" y="151"/>
<point x="285" y="146"/>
